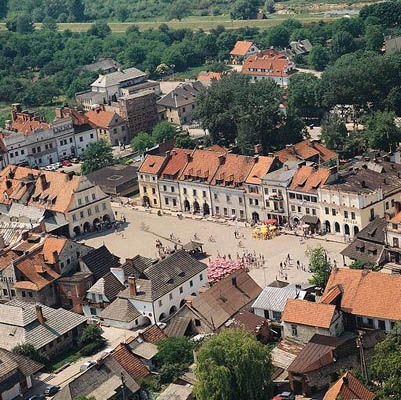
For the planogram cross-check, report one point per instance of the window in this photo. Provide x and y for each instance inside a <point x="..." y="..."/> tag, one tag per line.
<point x="74" y="217"/>
<point x="93" y="311"/>
<point x="23" y="294"/>
<point x="326" y="210"/>
<point x="93" y="196"/>
<point x="307" y="210"/>
<point x="228" y="198"/>
<point x="81" y="214"/>
<point x="22" y="152"/>
<point x="299" y="209"/>
<point x="292" y="208"/>
<point x="217" y="210"/>
<point x="181" y="290"/>
<point x="352" y="215"/>
<point x="333" y="212"/>
<point x="268" y="203"/>
<point x="387" y="205"/>
<point x="89" y="212"/>
<point x="372" y="213"/>
<point x="276" y="315"/>
<point x="5" y="292"/>
<point x="233" y="212"/>
<point x="395" y="242"/>
<point x="172" y="189"/>
<point x="86" y="199"/>
<point x="166" y="200"/>
<point x="345" y="214"/>
<point x="91" y="135"/>
<point x="256" y="202"/>
<point x="160" y="303"/>
<point x="12" y="292"/>
<point x="104" y="206"/>
<point x="266" y="191"/>
<point x="201" y="277"/>
<point x="79" y="202"/>
<point x="313" y="211"/>
<point x="170" y="296"/>
<point x="191" y="283"/>
<point x="382" y="324"/>
<point x="299" y="196"/>
<point x="154" y="201"/>
<point x="185" y="191"/>
<point x="197" y="322"/>
<point x="145" y="189"/>
<point x="294" y="330"/>
<point x="292" y="195"/>
<point x="370" y="321"/>
<point x="241" y="214"/>
<point x="153" y="191"/>
<point x="30" y="294"/>
<point x="251" y="202"/>
<point x="174" y="202"/>
<point x="81" y="138"/>
<point x="215" y="196"/>
<point x="225" y="212"/>
<point x="194" y="192"/>
<point x="165" y="188"/>
<point x="240" y="200"/>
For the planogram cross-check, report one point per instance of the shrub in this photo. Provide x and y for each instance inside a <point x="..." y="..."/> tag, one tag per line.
<point x="91" y="348"/>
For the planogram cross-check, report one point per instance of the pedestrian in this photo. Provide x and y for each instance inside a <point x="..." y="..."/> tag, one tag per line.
<point x="281" y="265"/>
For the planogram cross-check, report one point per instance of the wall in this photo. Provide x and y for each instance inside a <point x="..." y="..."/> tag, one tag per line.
<point x="11" y="393"/>
<point x="148" y="187"/>
<point x="192" y="192"/>
<point x="171" y="195"/>
<point x="305" y="333"/>
<point x="84" y="139"/>
<point x="230" y="202"/>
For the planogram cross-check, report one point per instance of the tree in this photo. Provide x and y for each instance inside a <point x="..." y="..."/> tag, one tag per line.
<point x="21" y="23"/>
<point x="98" y="155"/>
<point x="318" y="58"/>
<point x="179" y="9"/>
<point x="381" y="131"/>
<point x="374" y="37"/>
<point x="49" y="24"/>
<point x="233" y="365"/>
<point x="142" y="141"/>
<point x="279" y="36"/>
<point x="175" y="350"/>
<point x="244" y="9"/>
<point x="385" y="366"/>
<point x="185" y="142"/>
<point x="304" y="95"/>
<point x="163" y="131"/>
<point x="27" y="350"/>
<point x="3" y="8"/>
<point x="334" y="133"/>
<point x="77" y="10"/>
<point x="342" y="43"/>
<point x="269" y="6"/>
<point x="99" y="29"/>
<point x="319" y="266"/>
<point x="91" y="334"/>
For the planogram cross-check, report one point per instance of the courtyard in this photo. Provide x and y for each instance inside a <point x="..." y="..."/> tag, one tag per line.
<point x="139" y="234"/>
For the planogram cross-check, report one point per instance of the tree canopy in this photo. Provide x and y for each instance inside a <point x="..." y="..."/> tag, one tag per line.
<point x="142" y="141"/>
<point x="163" y="131"/>
<point x="98" y="155"/>
<point x="27" y="350"/>
<point x="319" y="265"/>
<point x="233" y="365"/>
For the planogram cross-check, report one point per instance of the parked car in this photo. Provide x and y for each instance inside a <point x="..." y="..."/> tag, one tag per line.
<point x="51" y="390"/>
<point x="37" y="397"/>
<point x="58" y="164"/>
<point x="67" y="163"/>
<point x="284" y="396"/>
<point x="86" y="365"/>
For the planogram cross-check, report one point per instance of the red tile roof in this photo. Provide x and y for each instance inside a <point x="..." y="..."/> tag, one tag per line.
<point x="52" y="247"/>
<point x="348" y="388"/>
<point x="262" y="166"/>
<point x="241" y="48"/>
<point x="153" y="334"/>
<point x="309" y="179"/>
<point x="151" y="164"/>
<point x="130" y="362"/>
<point x="100" y="118"/>
<point x="277" y="65"/>
<point x="202" y="166"/>
<point x="176" y="163"/>
<point x="233" y="170"/>
<point x="6" y="258"/>
<point x="305" y="312"/>
<point x="249" y="321"/>
<point x="305" y="150"/>
<point x="209" y="76"/>
<point x="28" y="126"/>
<point x="370" y="294"/>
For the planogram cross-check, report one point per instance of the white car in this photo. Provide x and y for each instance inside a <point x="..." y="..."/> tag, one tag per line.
<point x="86" y="365"/>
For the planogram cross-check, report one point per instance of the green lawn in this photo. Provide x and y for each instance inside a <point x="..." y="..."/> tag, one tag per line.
<point x="196" y="22"/>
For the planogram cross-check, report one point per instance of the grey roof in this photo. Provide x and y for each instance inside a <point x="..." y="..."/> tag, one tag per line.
<point x="369" y="252"/>
<point x="137" y="265"/>
<point x="374" y="231"/>
<point x="101" y="381"/>
<point x="283" y="175"/>
<point x="176" y="392"/>
<point x="182" y="95"/>
<point x="120" y="310"/>
<point x="165" y="275"/>
<point x="99" y="261"/>
<point x="102" y="64"/>
<point x="10" y="361"/>
<point x="275" y="298"/>
<point x="18" y="324"/>
<point x="117" y="77"/>
<point x="109" y="286"/>
<point x="177" y="326"/>
<point x="11" y="231"/>
<point x="113" y="176"/>
<point x="27" y="213"/>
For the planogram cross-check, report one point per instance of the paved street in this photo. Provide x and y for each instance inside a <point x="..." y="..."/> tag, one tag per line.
<point x="142" y="230"/>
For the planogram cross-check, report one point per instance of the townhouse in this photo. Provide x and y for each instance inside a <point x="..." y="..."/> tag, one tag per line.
<point x="242" y="50"/>
<point x="364" y="191"/>
<point x="74" y="205"/>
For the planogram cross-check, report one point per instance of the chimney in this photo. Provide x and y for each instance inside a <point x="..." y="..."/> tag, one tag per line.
<point x="234" y="281"/>
<point x="132" y="286"/>
<point x="318" y="291"/>
<point x="345" y="380"/>
<point x="43" y="181"/>
<point x="8" y="184"/>
<point x="222" y="159"/>
<point x="15" y="109"/>
<point x="25" y="235"/>
<point x="189" y="157"/>
<point x="258" y="149"/>
<point x="59" y="113"/>
<point x="39" y="314"/>
<point x="55" y="256"/>
<point x="363" y="184"/>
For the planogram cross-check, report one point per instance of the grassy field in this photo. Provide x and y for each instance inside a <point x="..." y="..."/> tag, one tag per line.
<point x="205" y="23"/>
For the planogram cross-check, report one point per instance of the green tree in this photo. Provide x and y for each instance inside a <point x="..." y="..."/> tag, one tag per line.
<point x="381" y="131"/>
<point x="179" y="9"/>
<point x="233" y="365"/>
<point x="304" y="95"/>
<point x="27" y="350"/>
<point x="385" y="366"/>
<point x="49" y="24"/>
<point x="175" y="350"/>
<point x="319" y="265"/>
<point x="98" y="155"/>
<point x="374" y="37"/>
<point x="269" y="6"/>
<point x="244" y="9"/>
<point x="142" y="141"/>
<point x="278" y="36"/>
<point x="3" y="8"/>
<point x="21" y="23"/>
<point x="91" y="334"/>
<point x="77" y="10"/>
<point x="185" y="142"/>
<point x="163" y="131"/>
<point x="342" y="43"/>
<point x="318" y="58"/>
<point x="334" y="133"/>
<point x="99" y="29"/>
<point x="358" y="264"/>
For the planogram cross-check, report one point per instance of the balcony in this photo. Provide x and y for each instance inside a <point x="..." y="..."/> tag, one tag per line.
<point x="276" y="196"/>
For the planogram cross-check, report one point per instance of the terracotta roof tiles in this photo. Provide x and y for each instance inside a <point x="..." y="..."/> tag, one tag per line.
<point x="262" y="166"/>
<point x="305" y="312"/>
<point x="153" y="334"/>
<point x="308" y="179"/>
<point x="267" y="65"/>
<point x="241" y="48"/>
<point x="130" y="362"/>
<point x="176" y="163"/>
<point x="348" y="388"/>
<point x="52" y="247"/>
<point x="151" y="164"/>
<point x="100" y="118"/>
